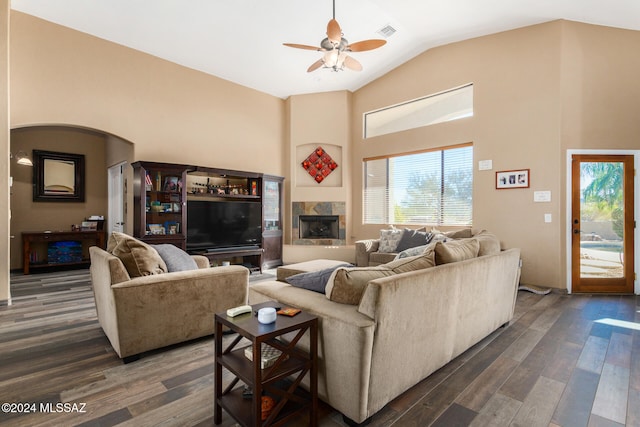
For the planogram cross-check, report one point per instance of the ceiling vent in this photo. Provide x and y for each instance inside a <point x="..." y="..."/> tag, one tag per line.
<point x="386" y="31"/>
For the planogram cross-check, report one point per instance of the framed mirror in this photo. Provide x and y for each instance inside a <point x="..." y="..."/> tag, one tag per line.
<point x="58" y="177"/>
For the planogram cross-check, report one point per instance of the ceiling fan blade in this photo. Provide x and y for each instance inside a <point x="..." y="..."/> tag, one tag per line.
<point x="333" y="31"/>
<point x="366" y="45"/>
<point x="352" y="64"/>
<point x="315" y="65"/>
<point x="303" y="46"/>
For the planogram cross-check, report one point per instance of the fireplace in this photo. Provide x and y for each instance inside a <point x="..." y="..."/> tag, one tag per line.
<point x="319" y="227"/>
<point x="318" y="223"/>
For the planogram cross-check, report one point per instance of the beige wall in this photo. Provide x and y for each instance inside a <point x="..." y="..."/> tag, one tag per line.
<point x="170" y="113"/>
<point x="600" y="77"/>
<point x="537" y="92"/>
<point x="318" y="120"/>
<point x="5" y="296"/>
<point x="28" y="215"/>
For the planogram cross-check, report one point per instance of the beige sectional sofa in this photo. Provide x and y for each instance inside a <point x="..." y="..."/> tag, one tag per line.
<point x="369" y="252"/>
<point x="151" y="311"/>
<point x="405" y="325"/>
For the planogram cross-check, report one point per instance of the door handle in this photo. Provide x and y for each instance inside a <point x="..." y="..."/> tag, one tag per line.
<point x="576" y="231"/>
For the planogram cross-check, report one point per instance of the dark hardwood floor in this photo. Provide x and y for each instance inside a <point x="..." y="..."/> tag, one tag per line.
<point x="563" y="361"/>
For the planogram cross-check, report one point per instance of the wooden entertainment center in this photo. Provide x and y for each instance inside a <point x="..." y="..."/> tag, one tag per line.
<point x="162" y="192"/>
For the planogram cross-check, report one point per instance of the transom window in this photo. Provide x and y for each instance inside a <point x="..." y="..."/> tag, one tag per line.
<point x="452" y="104"/>
<point x="429" y="187"/>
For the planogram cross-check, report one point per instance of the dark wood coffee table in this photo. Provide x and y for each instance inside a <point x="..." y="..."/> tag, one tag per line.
<point x="275" y="381"/>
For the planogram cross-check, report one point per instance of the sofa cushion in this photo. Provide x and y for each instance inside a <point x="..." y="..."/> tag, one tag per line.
<point x="138" y="258"/>
<point x="346" y="285"/>
<point x="489" y="243"/>
<point x="403" y="265"/>
<point x="314" y="280"/>
<point x="456" y="250"/>
<point x="389" y="240"/>
<point x="175" y="258"/>
<point x="377" y="258"/>
<point x="413" y="238"/>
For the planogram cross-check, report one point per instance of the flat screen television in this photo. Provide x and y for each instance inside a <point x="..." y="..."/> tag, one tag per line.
<point x="217" y="225"/>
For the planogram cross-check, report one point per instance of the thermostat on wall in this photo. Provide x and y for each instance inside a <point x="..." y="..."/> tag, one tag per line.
<point x="541" y="196"/>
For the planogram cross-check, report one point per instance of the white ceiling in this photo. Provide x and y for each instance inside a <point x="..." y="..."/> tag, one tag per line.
<point x="241" y="40"/>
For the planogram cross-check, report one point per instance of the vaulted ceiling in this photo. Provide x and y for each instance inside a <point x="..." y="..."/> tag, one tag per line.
<point x="242" y="40"/>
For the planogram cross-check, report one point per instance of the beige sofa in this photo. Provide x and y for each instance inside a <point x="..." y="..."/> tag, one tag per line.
<point x="144" y="313"/>
<point x="405" y="326"/>
<point x="368" y="254"/>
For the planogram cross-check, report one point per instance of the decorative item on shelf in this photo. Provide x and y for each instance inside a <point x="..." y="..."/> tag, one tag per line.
<point x="172" y="227"/>
<point x="254" y="188"/>
<point x="158" y="181"/>
<point x="89" y="226"/>
<point x="147" y="182"/>
<point x="156" y="229"/>
<point x="269" y="355"/>
<point x="99" y="221"/>
<point x="266" y="405"/>
<point x="171" y="184"/>
<point x="319" y="164"/>
<point x="156" y="206"/>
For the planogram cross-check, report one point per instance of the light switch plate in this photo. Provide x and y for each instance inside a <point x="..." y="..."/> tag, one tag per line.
<point x="547" y="217"/>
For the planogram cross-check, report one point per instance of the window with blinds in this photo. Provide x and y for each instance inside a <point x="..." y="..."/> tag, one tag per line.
<point x="431" y="187"/>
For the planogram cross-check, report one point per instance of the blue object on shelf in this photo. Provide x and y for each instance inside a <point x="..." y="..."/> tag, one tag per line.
<point x="64" y="252"/>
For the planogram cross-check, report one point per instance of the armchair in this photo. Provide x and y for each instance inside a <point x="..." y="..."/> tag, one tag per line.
<point x="149" y="312"/>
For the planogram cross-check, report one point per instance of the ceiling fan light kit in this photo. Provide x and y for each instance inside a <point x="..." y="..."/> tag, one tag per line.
<point x="336" y="48"/>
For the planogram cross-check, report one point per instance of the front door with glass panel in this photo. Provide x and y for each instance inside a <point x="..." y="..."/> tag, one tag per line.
<point x="602" y="223"/>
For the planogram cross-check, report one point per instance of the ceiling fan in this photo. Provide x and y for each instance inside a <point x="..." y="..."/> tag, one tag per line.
<point x="335" y="48"/>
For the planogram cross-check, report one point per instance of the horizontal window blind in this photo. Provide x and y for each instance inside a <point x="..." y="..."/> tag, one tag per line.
<point x="430" y="187"/>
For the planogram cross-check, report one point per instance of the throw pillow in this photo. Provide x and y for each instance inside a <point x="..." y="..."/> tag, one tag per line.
<point x="419" y="262"/>
<point x="456" y="250"/>
<point x="175" y="258"/>
<point x="314" y="280"/>
<point x="489" y="243"/>
<point x="389" y="240"/>
<point x="346" y="285"/>
<point x="413" y="238"/>
<point x="418" y="250"/>
<point x="138" y="258"/>
<point x="463" y="233"/>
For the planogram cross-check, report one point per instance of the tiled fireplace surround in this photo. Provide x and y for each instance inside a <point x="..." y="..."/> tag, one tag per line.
<point x="319" y="208"/>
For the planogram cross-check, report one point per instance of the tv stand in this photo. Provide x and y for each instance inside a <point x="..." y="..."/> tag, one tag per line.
<point x="250" y="255"/>
<point x="233" y="249"/>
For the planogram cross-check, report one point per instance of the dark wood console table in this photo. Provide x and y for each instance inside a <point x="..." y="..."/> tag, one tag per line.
<point x="35" y="240"/>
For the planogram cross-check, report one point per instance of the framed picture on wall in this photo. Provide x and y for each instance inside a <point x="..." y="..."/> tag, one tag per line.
<point x="512" y="179"/>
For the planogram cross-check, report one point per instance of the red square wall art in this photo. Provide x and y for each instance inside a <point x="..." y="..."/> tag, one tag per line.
<point x="319" y="164"/>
